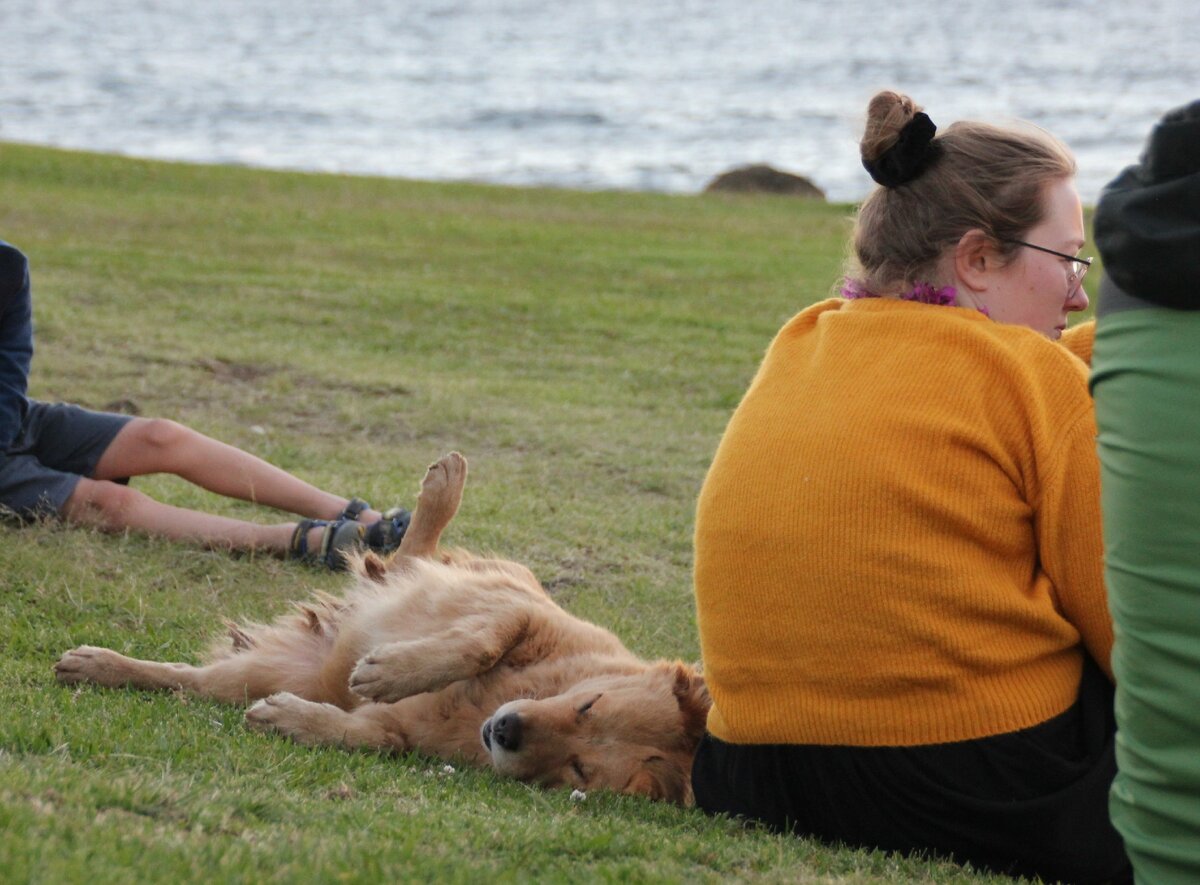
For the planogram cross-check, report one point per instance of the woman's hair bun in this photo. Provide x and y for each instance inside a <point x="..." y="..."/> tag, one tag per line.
<point x="887" y="114"/>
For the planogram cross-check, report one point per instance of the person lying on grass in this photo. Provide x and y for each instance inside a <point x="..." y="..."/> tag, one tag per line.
<point x="899" y="569"/>
<point x="61" y="460"/>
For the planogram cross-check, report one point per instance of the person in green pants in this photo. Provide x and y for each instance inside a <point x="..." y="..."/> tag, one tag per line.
<point x="1146" y="384"/>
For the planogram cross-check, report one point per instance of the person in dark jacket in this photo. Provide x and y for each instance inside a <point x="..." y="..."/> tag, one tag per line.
<point x="61" y="460"/>
<point x="1146" y="384"/>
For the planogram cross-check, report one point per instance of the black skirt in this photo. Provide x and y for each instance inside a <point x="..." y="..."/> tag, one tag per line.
<point x="1028" y="803"/>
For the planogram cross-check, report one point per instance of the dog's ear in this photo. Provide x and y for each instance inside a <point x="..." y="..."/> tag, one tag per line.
<point x="662" y="780"/>
<point x="694" y="702"/>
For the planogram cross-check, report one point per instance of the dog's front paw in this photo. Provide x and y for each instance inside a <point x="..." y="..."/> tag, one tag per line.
<point x="286" y="714"/>
<point x="91" y="664"/>
<point x="377" y="678"/>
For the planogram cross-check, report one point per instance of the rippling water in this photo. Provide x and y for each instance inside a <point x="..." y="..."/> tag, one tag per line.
<point x="659" y="95"/>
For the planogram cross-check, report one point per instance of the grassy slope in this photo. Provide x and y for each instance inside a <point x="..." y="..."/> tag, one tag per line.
<point x="584" y="350"/>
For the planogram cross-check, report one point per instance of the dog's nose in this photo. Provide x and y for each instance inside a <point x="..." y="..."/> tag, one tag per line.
<point x="506" y="731"/>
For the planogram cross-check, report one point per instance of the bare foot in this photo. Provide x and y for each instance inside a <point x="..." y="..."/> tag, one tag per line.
<point x="441" y="493"/>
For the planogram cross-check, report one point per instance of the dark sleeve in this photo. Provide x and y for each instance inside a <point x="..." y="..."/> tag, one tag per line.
<point x="16" y="340"/>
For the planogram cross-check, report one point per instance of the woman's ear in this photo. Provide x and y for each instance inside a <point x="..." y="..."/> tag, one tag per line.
<point x="975" y="257"/>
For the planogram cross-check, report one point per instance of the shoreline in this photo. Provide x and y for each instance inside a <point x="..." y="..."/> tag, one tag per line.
<point x="363" y="175"/>
<point x="470" y="182"/>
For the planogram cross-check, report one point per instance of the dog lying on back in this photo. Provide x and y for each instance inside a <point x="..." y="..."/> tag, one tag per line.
<point x="452" y="656"/>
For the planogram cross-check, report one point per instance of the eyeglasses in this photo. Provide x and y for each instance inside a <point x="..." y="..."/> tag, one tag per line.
<point x="1079" y="266"/>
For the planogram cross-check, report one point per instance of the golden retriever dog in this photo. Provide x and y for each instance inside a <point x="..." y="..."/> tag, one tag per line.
<point x="452" y="656"/>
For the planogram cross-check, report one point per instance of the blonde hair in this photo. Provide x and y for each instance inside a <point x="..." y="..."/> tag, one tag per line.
<point x="981" y="176"/>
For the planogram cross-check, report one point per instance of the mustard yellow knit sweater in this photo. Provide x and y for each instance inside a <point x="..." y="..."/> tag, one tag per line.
<point x="898" y="541"/>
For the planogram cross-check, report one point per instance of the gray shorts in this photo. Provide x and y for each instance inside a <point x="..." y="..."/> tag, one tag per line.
<point x="57" y="444"/>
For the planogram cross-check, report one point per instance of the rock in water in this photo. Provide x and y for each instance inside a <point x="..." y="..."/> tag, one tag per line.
<point x="763" y="179"/>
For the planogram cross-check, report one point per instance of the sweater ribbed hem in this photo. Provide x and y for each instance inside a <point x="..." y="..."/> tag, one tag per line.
<point x="778" y="713"/>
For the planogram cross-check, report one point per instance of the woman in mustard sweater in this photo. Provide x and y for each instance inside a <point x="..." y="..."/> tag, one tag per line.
<point x="899" y="573"/>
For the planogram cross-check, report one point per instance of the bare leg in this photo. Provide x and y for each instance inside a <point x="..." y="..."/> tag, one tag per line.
<point x="441" y="493"/>
<point x="114" y="508"/>
<point x="371" y="726"/>
<point x="159" y="446"/>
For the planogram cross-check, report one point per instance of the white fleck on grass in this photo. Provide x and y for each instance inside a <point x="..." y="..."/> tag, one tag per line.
<point x="578" y="795"/>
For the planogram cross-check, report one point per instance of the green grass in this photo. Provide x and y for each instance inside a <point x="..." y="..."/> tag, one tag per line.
<point x="583" y="350"/>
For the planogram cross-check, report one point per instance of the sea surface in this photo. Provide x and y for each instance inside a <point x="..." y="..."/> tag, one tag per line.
<point x="656" y="95"/>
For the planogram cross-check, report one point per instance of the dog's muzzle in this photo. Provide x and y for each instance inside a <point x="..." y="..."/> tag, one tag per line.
<point x="504" y="731"/>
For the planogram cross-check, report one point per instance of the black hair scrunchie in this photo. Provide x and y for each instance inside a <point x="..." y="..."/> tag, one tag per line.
<point x="911" y="155"/>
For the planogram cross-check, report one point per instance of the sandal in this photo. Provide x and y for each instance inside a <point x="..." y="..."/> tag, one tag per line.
<point x="340" y="537"/>
<point x="383" y="536"/>
<point x="354" y="508"/>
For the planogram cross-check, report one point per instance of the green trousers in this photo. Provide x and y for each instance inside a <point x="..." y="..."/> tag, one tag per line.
<point x="1146" y="383"/>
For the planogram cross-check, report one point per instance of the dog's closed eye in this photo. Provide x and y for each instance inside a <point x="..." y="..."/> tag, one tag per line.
<point x="580" y="773"/>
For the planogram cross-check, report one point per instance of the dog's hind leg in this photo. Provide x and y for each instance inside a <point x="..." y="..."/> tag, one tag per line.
<point x="371" y="726"/>
<point x="471" y="647"/>
<point x="441" y="493"/>
<point x="234" y="680"/>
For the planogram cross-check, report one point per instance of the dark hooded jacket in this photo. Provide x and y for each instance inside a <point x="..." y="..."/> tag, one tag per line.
<point x="16" y="341"/>
<point x="1147" y="223"/>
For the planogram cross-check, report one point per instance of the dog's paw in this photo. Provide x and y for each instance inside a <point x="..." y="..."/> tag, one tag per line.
<point x="88" y="663"/>
<point x="286" y="714"/>
<point x="442" y="486"/>
<point x="377" y="678"/>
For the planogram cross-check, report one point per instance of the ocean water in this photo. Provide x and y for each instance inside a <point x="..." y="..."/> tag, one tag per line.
<point x="625" y="94"/>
